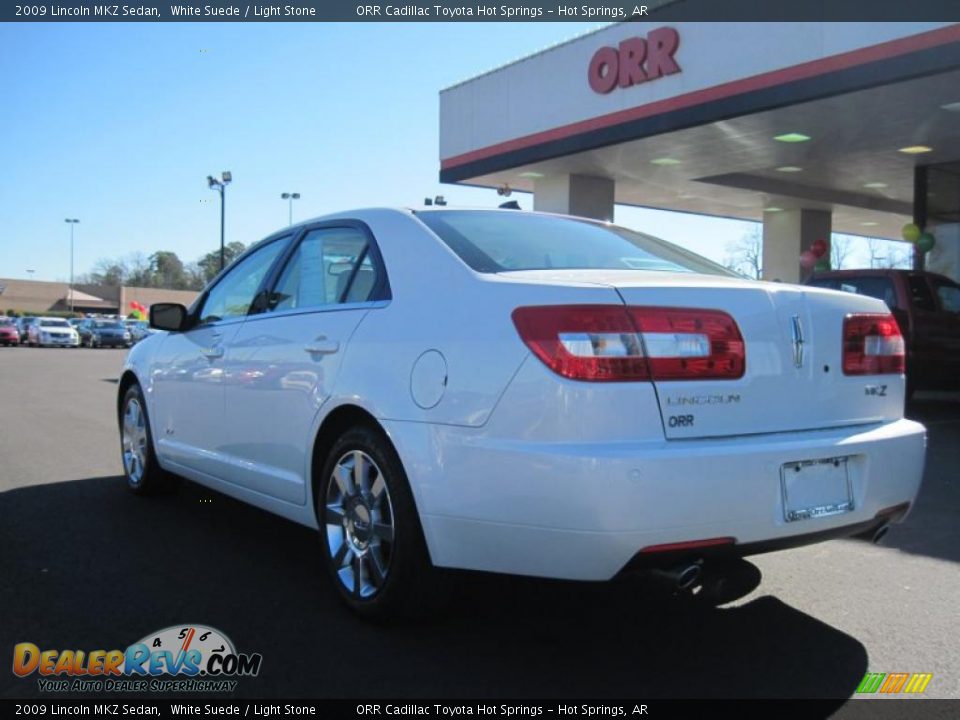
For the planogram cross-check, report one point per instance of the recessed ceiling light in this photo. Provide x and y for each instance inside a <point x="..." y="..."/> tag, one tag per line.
<point x="875" y="185"/>
<point x="869" y="223"/>
<point x="792" y="138"/>
<point x="772" y="209"/>
<point x="533" y="175"/>
<point x="665" y="161"/>
<point x="789" y="168"/>
<point x="915" y="149"/>
<point x="952" y="107"/>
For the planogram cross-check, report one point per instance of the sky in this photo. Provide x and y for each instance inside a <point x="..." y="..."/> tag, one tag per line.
<point x="119" y="125"/>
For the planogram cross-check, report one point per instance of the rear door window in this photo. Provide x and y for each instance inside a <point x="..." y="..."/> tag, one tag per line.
<point x="331" y="266"/>
<point x="920" y="293"/>
<point x="874" y="286"/>
<point x="948" y="294"/>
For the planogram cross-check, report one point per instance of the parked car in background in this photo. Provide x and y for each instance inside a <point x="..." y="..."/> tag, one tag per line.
<point x="96" y="333"/>
<point x="139" y="329"/>
<point x="9" y="332"/>
<point x="23" y="325"/>
<point x="927" y="308"/>
<point x="52" y="332"/>
<point x="521" y="393"/>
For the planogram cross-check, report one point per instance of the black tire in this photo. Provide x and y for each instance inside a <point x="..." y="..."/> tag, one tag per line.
<point x="409" y="586"/>
<point x="149" y="478"/>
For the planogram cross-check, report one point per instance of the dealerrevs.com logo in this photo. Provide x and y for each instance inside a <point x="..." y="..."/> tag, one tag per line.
<point x="180" y="658"/>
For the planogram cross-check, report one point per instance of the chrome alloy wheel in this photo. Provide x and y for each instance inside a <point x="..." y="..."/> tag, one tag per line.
<point x="134" y="441"/>
<point x="359" y="523"/>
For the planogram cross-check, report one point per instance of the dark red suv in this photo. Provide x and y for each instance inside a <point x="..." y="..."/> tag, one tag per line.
<point x="927" y="306"/>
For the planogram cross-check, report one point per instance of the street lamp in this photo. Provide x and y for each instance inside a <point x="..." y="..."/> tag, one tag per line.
<point x="290" y="197"/>
<point x="226" y="177"/>
<point x="71" y="222"/>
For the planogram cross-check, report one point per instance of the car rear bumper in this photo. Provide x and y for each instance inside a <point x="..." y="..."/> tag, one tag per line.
<point x="587" y="511"/>
<point x="59" y="343"/>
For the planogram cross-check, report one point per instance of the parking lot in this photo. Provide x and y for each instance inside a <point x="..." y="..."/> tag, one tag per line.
<point x="85" y="564"/>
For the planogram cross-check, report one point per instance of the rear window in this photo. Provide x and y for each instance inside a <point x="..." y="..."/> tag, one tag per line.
<point x="5" y="322"/>
<point x="872" y="286"/>
<point x="500" y="241"/>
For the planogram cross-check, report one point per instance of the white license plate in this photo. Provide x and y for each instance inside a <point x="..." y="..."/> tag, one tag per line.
<point x="816" y="488"/>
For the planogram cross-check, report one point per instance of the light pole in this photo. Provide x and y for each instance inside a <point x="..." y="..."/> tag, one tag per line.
<point x="71" y="222"/>
<point x="226" y="177"/>
<point x="290" y="197"/>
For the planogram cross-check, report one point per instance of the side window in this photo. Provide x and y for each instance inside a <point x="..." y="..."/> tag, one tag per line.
<point x="949" y="296"/>
<point x="920" y="292"/>
<point x="329" y="267"/>
<point x="232" y="296"/>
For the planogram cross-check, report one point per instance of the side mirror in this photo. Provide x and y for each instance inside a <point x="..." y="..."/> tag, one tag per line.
<point x="168" y="316"/>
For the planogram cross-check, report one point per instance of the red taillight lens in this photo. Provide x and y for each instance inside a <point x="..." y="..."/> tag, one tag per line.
<point x="617" y="343"/>
<point x="872" y="345"/>
<point x="583" y="342"/>
<point x="684" y="344"/>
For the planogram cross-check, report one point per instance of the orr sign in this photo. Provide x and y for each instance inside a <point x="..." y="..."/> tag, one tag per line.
<point x="636" y="60"/>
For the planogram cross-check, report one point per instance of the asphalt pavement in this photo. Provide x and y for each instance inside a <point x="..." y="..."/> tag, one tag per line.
<point x="84" y="564"/>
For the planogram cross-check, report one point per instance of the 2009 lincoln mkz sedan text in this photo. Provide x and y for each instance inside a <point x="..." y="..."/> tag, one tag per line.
<point x="521" y="393"/>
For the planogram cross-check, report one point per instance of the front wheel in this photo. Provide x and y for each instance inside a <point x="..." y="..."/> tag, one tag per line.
<point x="370" y="534"/>
<point x="143" y="474"/>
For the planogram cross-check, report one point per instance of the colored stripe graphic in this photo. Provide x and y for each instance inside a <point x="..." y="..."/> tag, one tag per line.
<point x="918" y="682"/>
<point x="893" y="683"/>
<point x="871" y="682"/>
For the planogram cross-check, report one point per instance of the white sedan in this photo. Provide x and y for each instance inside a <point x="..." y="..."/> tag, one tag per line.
<point x="521" y="393"/>
<point x="52" y="332"/>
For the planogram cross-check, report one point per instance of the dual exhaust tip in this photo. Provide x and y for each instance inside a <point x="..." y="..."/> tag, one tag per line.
<point x="880" y="533"/>
<point x="686" y="575"/>
<point x="681" y="577"/>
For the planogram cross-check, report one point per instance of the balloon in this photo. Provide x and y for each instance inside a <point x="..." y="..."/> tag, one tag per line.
<point x="911" y="233"/>
<point x="818" y="248"/>
<point x="926" y="242"/>
<point x="807" y="259"/>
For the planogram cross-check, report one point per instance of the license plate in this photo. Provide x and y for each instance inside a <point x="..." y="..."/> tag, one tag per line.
<point x="816" y="488"/>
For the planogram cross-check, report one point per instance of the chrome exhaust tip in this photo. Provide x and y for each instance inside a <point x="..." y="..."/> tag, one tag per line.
<point x="681" y="577"/>
<point x="880" y="534"/>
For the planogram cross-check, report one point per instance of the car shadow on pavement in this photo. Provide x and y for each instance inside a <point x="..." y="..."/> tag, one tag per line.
<point x="89" y="566"/>
<point x="931" y="528"/>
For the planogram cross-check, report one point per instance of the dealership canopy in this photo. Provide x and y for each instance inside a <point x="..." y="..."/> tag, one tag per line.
<point x="807" y="127"/>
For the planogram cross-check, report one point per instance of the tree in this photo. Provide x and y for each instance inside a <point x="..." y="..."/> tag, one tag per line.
<point x="745" y="256"/>
<point x="168" y="271"/>
<point x="209" y="264"/>
<point x="839" y="251"/>
<point x="139" y="273"/>
<point x="886" y="254"/>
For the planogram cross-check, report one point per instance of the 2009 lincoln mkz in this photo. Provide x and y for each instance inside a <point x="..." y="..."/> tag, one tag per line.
<point x="521" y="393"/>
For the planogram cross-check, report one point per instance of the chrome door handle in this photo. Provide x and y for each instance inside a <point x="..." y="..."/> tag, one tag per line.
<point x="322" y="346"/>
<point x="213" y="353"/>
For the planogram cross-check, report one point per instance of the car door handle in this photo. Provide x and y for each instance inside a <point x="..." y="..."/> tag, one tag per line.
<point x="213" y="353"/>
<point x="322" y="346"/>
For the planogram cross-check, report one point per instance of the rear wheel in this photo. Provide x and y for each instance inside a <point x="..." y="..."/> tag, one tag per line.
<point x="144" y="475"/>
<point x="370" y="535"/>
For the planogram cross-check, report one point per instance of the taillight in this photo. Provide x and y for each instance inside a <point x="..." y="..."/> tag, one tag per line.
<point x="685" y="344"/>
<point x="872" y="345"/>
<point x="616" y="343"/>
<point x="583" y="342"/>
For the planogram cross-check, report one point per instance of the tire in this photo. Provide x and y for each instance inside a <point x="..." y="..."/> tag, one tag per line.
<point x="376" y="531"/>
<point x="141" y="470"/>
